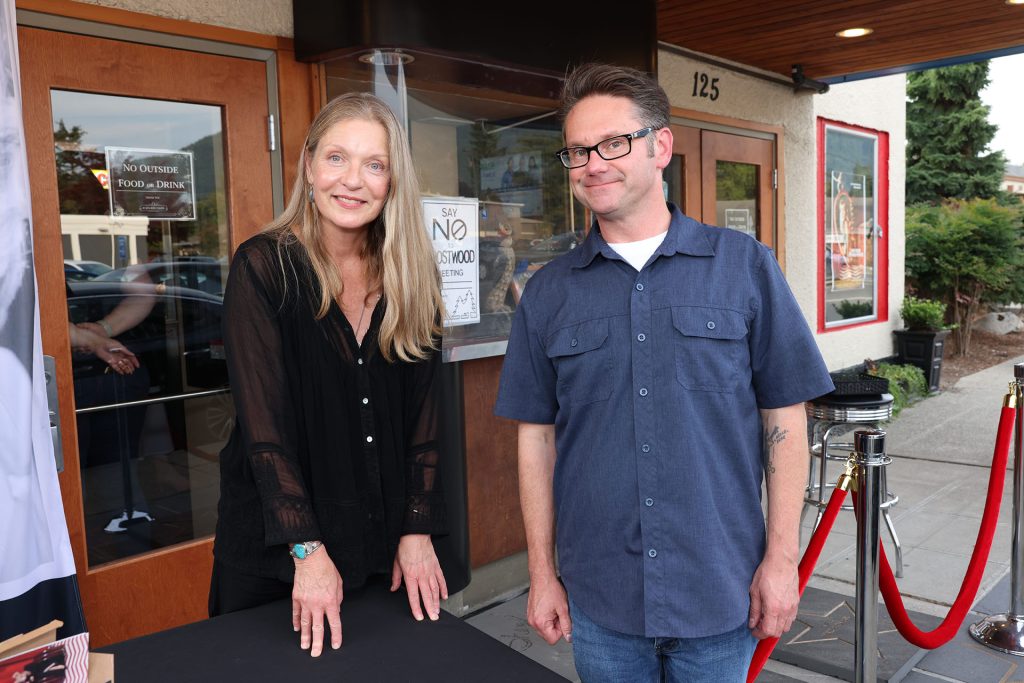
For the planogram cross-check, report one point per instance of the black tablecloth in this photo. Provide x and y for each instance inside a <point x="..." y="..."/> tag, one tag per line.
<point x="382" y="642"/>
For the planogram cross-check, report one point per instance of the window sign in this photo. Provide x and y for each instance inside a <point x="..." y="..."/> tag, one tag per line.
<point x="157" y="183"/>
<point x="453" y="226"/>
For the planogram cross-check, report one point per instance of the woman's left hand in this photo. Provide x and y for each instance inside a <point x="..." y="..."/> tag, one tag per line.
<point x="417" y="564"/>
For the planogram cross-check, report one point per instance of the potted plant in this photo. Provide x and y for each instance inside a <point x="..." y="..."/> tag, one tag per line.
<point x="924" y="339"/>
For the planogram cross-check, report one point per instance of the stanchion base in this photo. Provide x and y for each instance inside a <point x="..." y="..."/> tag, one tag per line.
<point x="1001" y="632"/>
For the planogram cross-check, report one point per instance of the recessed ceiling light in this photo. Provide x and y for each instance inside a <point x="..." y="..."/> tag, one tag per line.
<point x="386" y="57"/>
<point x="858" y="32"/>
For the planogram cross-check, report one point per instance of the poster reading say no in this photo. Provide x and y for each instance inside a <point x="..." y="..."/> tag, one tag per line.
<point x="453" y="226"/>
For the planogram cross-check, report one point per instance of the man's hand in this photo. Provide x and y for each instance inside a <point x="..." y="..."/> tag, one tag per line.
<point x="417" y="564"/>
<point x="547" y="610"/>
<point x="774" y="598"/>
<point x="317" y="593"/>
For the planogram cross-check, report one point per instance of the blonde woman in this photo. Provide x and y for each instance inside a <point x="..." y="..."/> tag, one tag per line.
<point x="332" y="325"/>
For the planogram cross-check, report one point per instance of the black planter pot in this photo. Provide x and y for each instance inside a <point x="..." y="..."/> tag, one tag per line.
<point x="923" y="349"/>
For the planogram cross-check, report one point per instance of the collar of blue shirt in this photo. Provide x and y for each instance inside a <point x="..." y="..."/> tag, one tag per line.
<point x="684" y="237"/>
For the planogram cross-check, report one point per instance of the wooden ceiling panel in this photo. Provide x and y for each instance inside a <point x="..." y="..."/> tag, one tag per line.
<point x="773" y="35"/>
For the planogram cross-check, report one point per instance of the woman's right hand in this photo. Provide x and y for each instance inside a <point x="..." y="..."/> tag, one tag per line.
<point x="317" y="594"/>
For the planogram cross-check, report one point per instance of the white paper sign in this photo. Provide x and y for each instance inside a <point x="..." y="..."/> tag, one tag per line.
<point x="454" y="227"/>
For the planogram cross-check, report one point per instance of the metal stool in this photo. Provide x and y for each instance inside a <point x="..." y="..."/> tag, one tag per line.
<point x="831" y="417"/>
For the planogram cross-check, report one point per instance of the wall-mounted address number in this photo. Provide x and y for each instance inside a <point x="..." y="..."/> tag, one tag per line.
<point x="705" y="86"/>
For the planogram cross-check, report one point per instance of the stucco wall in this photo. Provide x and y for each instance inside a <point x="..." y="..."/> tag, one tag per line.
<point x="877" y="104"/>
<point x="273" y="17"/>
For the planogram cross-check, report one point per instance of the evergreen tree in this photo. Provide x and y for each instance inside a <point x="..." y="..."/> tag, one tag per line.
<point x="948" y="134"/>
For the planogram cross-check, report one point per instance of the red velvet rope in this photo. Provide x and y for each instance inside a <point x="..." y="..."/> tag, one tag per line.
<point x="806" y="568"/>
<point x="972" y="579"/>
<point x="887" y="582"/>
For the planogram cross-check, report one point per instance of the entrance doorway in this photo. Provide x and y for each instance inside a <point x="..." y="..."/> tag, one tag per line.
<point x="144" y="274"/>
<point x="724" y="179"/>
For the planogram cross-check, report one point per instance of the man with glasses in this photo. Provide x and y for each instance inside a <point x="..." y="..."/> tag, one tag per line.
<point x="658" y="373"/>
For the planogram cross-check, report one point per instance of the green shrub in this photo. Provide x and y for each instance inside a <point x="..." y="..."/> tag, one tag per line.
<point x="850" y="308"/>
<point x="923" y="314"/>
<point x="906" y="383"/>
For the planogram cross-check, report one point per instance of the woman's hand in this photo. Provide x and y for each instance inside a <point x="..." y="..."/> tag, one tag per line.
<point x="114" y="353"/>
<point x="317" y="593"/>
<point x="417" y="564"/>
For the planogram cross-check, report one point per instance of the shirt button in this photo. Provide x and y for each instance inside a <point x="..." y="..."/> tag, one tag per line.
<point x="643" y="392"/>
<point x="360" y="361"/>
<point x="646" y="448"/>
<point x="649" y="502"/>
<point x="366" y="401"/>
<point x="711" y="324"/>
<point x="652" y="553"/>
<point x="641" y="337"/>
<point x="574" y="342"/>
<point x="369" y="439"/>
<point x="639" y="286"/>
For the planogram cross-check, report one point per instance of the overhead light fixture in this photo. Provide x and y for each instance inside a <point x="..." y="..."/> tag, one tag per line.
<point x="857" y="32"/>
<point x="386" y="57"/>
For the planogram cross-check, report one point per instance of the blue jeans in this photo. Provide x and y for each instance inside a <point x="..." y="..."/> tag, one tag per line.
<point x="606" y="656"/>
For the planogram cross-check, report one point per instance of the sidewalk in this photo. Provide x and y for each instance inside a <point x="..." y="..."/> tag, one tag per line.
<point x="941" y="449"/>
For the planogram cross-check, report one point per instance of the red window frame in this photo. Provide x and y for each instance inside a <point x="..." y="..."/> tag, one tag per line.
<point x="882" y="220"/>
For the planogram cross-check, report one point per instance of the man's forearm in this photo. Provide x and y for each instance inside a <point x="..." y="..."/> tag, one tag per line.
<point x="785" y="462"/>
<point x="536" y="495"/>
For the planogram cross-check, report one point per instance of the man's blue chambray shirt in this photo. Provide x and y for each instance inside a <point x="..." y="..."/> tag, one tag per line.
<point x="653" y="381"/>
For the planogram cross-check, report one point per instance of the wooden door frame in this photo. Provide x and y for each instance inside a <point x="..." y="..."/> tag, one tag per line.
<point x="44" y="54"/>
<point x="698" y="119"/>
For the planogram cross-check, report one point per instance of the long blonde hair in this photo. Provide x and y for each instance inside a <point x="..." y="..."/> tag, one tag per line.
<point x="400" y="258"/>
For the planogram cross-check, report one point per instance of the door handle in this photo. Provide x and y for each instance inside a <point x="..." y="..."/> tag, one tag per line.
<point x="53" y="407"/>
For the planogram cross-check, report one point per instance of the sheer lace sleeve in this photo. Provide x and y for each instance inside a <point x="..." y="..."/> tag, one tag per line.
<point x="425" y="510"/>
<point x="258" y="374"/>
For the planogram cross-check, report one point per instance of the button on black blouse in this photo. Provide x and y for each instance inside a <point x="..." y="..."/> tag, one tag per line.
<point x="331" y="441"/>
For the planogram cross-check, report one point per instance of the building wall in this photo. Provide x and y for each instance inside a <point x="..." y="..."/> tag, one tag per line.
<point x="271" y="17"/>
<point x="879" y="104"/>
<point x="876" y="103"/>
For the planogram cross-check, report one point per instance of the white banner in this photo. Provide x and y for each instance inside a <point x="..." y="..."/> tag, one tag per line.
<point x="34" y="545"/>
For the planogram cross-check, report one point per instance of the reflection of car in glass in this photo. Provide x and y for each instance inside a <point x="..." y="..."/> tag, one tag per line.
<point x="203" y="274"/>
<point x="84" y="270"/>
<point x="179" y="341"/>
<point x="543" y="250"/>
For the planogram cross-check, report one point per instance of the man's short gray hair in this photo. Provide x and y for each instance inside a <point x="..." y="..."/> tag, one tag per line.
<point x="642" y="90"/>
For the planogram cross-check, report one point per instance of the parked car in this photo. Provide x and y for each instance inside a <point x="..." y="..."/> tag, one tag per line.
<point x="84" y="270"/>
<point x="179" y="341"/>
<point x="202" y="274"/>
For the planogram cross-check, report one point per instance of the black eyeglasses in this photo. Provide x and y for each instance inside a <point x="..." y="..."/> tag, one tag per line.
<point x="612" y="148"/>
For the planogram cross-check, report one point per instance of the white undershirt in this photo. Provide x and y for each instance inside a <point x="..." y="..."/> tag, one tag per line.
<point x="637" y="253"/>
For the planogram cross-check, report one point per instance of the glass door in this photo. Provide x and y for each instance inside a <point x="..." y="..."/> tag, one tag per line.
<point x="144" y="178"/>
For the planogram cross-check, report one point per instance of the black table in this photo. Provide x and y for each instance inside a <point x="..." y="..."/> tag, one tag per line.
<point x="382" y="642"/>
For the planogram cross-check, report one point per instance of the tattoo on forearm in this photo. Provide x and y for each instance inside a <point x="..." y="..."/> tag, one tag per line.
<point x="771" y="440"/>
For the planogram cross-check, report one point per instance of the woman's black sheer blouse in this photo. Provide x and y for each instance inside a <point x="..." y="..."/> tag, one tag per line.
<point x="331" y="442"/>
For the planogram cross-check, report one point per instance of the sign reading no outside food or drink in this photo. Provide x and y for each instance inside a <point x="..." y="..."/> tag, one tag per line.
<point x="157" y="183"/>
<point x="453" y="226"/>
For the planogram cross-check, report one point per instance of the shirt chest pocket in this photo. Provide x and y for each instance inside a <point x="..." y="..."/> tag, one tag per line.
<point x="711" y="351"/>
<point x="582" y="358"/>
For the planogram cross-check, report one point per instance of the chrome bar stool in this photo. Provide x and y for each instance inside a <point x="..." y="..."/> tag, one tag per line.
<point x="831" y="417"/>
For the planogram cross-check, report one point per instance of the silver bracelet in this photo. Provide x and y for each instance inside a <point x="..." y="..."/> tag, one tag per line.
<point x="102" y="322"/>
